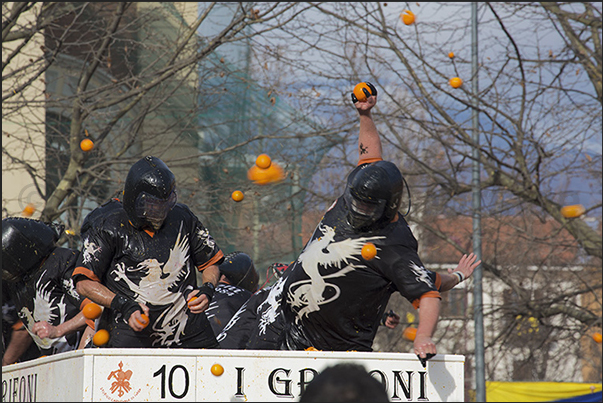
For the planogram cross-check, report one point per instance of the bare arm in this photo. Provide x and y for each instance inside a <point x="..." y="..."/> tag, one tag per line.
<point x="369" y="143"/>
<point x="100" y="294"/>
<point x="466" y="266"/>
<point x="429" y="312"/>
<point x="88" y="334"/>
<point x="19" y="343"/>
<point x="45" y="330"/>
<point x="96" y="292"/>
<point x="211" y="274"/>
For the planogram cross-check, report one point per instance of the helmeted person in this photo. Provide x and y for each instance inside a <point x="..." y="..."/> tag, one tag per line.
<point x="331" y="297"/>
<point x="37" y="274"/>
<point x="17" y="344"/>
<point x="139" y="257"/>
<point x="239" y="279"/>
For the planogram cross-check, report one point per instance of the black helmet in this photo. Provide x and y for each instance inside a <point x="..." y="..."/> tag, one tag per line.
<point x="149" y="193"/>
<point x="240" y="271"/>
<point x="373" y="195"/>
<point x="25" y="243"/>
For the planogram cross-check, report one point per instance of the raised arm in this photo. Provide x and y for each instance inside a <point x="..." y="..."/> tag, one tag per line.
<point x="369" y="143"/>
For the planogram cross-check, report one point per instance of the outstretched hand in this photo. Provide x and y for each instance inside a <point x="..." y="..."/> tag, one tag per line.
<point x="364" y="106"/>
<point x="466" y="265"/>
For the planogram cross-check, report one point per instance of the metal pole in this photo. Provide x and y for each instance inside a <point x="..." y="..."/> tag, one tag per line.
<point x="480" y="381"/>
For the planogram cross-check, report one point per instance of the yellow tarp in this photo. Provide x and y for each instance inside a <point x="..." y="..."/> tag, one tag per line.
<point x="537" y="391"/>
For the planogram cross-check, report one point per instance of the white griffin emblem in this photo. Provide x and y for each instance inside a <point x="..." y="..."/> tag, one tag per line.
<point x="421" y="274"/>
<point x="89" y="251"/>
<point x="323" y="252"/>
<point x="43" y="311"/>
<point x="156" y="288"/>
<point x="270" y="307"/>
<point x="69" y="288"/>
<point x="203" y="233"/>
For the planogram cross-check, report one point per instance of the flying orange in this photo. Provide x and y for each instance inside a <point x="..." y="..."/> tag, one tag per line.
<point x="237" y="195"/>
<point x="369" y="251"/>
<point x="86" y="145"/>
<point x="101" y="338"/>
<point x="263" y="161"/>
<point x="92" y="310"/>
<point x="455" y="82"/>
<point x="408" y="18"/>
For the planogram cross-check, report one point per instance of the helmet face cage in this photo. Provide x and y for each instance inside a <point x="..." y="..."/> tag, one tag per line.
<point x="363" y="213"/>
<point x="373" y="195"/>
<point x="149" y="193"/>
<point x="153" y="209"/>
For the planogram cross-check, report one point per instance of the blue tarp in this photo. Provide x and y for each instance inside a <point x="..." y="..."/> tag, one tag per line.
<point x="591" y="397"/>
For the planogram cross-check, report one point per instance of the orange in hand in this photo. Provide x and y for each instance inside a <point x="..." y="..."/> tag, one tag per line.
<point x="191" y="300"/>
<point x="359" y="93"/>
<point x="145" y="318"/>
<point x="92" y="311"/>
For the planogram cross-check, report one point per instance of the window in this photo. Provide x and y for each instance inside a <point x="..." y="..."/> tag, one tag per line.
<point x="57" y="149"/>
<point x="454" y="303"/>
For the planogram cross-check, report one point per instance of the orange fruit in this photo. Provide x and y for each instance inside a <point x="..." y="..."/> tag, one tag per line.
<point x="145" y="318"/>
<point x="572" y="211"/>
<point x="451" y="55"/>
<point x="191" y="300"/>
<point x="217" y="369"/>
<point x="369" y="251"/>
<point x="92" y="311"/>
<point x="407" y="18"/>
<point x="597" y="337"/>
<point x="28" y="210"/>
<point x="360" y="95"/>
<point x="86" y="145"/>
<point x="101" y="337"/>
<point x="274" y="173"/>
<point x="237" y="195"/>
<point x="455" y="82"/>
<point x="410" y="333"/>
<point x="263" y="161"/>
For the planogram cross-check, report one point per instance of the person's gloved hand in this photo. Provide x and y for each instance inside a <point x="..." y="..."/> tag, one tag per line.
<point x="367" y="88"/>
